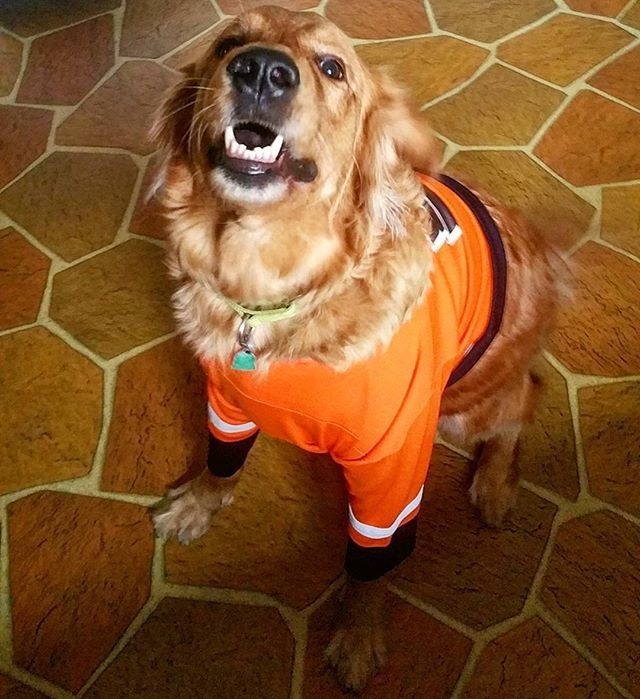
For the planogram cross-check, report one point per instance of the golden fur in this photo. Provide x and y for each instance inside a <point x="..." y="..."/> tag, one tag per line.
<point x="350" y="246"/>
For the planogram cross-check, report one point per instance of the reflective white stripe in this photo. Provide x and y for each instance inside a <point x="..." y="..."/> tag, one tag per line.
<point x="227" y="427"/>
<point x="372" y="532"/>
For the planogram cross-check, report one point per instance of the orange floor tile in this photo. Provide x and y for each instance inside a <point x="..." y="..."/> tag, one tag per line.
<point x="101" y="407"/>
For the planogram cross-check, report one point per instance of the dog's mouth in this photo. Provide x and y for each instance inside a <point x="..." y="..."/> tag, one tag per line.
<point x="255" y="153"/>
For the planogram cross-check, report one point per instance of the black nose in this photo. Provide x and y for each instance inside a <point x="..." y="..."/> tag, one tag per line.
<point x="264" y="74"/>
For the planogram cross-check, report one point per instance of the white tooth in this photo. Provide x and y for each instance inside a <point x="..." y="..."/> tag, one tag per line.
<point x="234" y="150"/>
<point x="257" y="153"/>
<point x="229" y="138"/>
<point x="242" y="149"/>
<point x="267" y="155"/>
<point x="277" y="145"/>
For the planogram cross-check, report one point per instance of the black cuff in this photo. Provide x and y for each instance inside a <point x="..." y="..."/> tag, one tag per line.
<point x="368" y="563"/>
<point x="225" y="459"/>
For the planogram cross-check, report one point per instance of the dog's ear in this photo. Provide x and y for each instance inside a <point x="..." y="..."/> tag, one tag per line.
<point x="393" y="136"/>
<point x="170" y="130"/>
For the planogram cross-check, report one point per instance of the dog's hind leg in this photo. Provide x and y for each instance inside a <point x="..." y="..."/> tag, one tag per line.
<point x="495" y="483"/>
<point x="495" y="424"/>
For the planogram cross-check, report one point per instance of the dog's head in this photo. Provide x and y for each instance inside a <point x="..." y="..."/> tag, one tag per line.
<point x="281" y="108"/>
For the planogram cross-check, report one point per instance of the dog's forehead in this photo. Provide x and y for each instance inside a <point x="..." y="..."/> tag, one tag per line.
<point x="303" y="30"/>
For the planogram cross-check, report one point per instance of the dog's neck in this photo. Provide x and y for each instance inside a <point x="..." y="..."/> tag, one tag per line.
<point x="353" y="289"/>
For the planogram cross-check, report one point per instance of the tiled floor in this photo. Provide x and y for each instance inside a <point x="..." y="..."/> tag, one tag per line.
<point x="100" y="408"/>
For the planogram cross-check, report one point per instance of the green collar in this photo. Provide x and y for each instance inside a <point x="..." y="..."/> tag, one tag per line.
<point x="254" y="317"/>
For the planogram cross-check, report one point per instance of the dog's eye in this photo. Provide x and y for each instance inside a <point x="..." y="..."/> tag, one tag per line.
<point x="331" y="67"/>
<point x="226" y="45"/>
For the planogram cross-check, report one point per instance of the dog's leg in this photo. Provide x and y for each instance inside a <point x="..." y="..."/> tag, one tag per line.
<point x="186" y="511"/>
<point x="357" y="650"/>
<point x="495" y="484"/>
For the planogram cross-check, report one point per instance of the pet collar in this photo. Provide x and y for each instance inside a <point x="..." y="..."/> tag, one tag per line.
<point x="245" y="359"/>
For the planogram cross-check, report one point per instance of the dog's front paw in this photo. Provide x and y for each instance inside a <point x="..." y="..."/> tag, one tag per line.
<point x="356" y="653"/>
<point x="185" y="513"/>
<point x="494" y="499"/>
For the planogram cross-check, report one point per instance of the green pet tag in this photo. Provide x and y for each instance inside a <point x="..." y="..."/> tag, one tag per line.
<point x="244" y="360"/>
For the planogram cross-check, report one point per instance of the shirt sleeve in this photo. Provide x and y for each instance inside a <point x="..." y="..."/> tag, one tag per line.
<point x="386" y="494"/>
<point x="226" y="421"/>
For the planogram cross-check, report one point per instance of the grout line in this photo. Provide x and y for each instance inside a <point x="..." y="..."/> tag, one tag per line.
<point x="140" y="618"/>
<point x="621" y="251"/>
<point x="5" y="592"/>
<point x="583" y="475"/>
<point x="468" y="669"/>
<point x="431" y="16"/>
<point x="221" y="594"/>
<point x="298" y="627"/>
<point x="34" y="682"/>
<point x="47" y="32"/>
<point x="79" y="485"/>
<point x="24" y="60"/>
<point x="429" y="609"/>
<point x="18" y="328"/>
<point x="625" y="9"/>
<point x="560" y="517"/>
<point x="61" y="332"/>
<point x="125" y="223"/>
<point x="544" y="493"/>
<point x="310" y="609"/>
<point x="109" y="379"/>
<point x="582" y="650"/>
<point x="486" y="64"/>
<point x="526" y="29"/>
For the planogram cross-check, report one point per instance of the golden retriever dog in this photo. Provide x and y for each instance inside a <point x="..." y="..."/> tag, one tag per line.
<point x="341" y="294"/>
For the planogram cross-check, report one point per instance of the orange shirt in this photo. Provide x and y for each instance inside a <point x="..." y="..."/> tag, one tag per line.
<point x="379" y="418"/>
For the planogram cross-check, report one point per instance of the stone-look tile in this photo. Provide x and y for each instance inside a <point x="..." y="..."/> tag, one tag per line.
<point x="289" y="509"/>
<point x="532" y="661"/>
<point x="147" y="218"/>
<point x="430" y="66"/>
<point x="154" y="27"/>
<point x="563" y="48"/>
<point x="119" y="113"/>
<point x="65" y="65"/>
<point x="547" y="448"/>
<point x="234" y="7"/>
<point x="472" y="572"/>
<point x="609" y="425"/>
<point x="12" y="689"/>
<point x="378" y="19"/>
<point x="425" y="656"/>
<point x="73" y="202"/>
<point x="621" y="217"/>
<point x="632" y="16"/>
<point x="488" y="21"/>
<point x="191" y="52"/>
<point x="37" y="16"/>
<point x="23" y="138"/>
<point x="50" y="410"/>
<point x="608" y="8"/>
<point x="10" y="60"/>
<point x="507" y="108"/>
<point x="518" y="181"/>
<point x="159" y="425"/>
<point x="599" y="331"/>
<point x="593" y="141"/>
<point x="116" y="300"/>
<point x="620" y="78"/>
<point x="204" y="649"/>
<point x="88" y="571"/>
<point x="23" y="276"/>
<point x="592" y="587"/>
